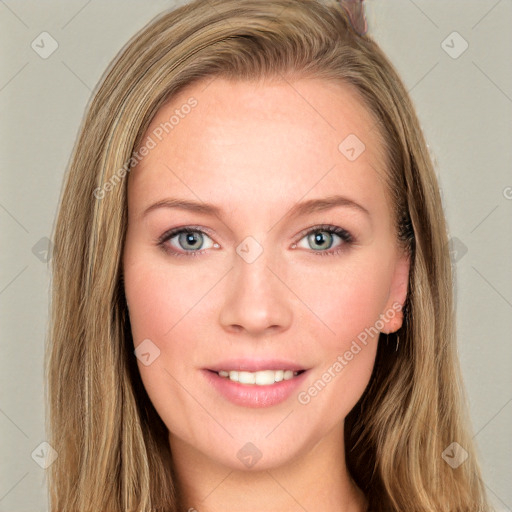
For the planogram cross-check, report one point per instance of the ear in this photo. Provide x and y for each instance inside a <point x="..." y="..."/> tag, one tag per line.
<point x="393" y="316"/>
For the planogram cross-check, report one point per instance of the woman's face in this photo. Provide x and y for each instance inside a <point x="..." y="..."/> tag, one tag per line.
<point x="258" y="286"/>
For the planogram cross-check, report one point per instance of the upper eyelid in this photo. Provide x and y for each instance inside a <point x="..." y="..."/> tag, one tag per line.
<point x="323" y="227"/>
<point x="170" y="233"/>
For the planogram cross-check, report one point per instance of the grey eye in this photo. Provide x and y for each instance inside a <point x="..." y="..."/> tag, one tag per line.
<point x="190" y="240"/>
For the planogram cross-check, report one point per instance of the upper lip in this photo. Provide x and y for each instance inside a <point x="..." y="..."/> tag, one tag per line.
<point x="254" y="365"/>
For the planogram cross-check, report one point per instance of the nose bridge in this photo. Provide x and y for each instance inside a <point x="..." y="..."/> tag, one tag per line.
<point x="256" y="299"/>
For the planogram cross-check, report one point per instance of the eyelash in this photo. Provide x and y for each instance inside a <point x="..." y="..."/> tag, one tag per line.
<point x="345" y="236"/>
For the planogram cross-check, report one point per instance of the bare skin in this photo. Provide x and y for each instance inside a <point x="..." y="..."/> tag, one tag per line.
<point x="255" y="151"/>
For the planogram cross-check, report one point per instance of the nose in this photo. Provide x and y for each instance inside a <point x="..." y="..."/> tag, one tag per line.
<point x="257" y="300"/>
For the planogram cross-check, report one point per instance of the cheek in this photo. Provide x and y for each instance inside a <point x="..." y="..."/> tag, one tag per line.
<point x="346" y="299"/>
<point x="347" y="304"/>
<point x="161" y="307"/>
<point x="159" y="296"/>
<point x="350" y="307"/>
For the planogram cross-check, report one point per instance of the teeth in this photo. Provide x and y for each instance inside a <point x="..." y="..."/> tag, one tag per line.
<point x="265" y="378"/>
<point x="261" y="378"/>
<point x="288" y="374"/>
<point x="245" y="377"/>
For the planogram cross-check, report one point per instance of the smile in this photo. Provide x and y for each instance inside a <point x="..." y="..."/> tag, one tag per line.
<point x="259" y="378"/>
<point x="255" y="383"/>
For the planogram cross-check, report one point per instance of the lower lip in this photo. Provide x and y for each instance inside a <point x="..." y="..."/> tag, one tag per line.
<point x="252" y="395"/>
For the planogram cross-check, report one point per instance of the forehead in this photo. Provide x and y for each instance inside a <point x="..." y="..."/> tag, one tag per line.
<point x="249" y="143"/>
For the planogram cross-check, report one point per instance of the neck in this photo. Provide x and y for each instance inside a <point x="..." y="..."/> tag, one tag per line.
<point x="316" y="479"/>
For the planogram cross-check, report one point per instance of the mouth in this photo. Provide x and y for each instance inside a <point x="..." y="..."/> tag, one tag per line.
<point x="256" y="383"/>
<point x="258" y="378"/>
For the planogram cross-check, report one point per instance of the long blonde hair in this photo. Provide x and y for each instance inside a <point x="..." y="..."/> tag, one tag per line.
<point x="113" y="451"/>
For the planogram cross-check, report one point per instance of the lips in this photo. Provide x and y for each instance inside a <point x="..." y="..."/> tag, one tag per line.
<point x="255" y="383"/>
<point x="255" y="365"/>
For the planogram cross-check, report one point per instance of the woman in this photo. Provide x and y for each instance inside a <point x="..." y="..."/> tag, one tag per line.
<point x="242" y="371"/>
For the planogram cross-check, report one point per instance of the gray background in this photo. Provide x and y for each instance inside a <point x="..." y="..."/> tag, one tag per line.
<point x="464" y="101"/>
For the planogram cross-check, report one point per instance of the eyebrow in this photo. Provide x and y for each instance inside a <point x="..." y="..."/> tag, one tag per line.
<point x="299" y="209"/>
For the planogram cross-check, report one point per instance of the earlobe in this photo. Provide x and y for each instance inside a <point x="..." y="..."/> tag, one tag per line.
<point x="393" y="315"/>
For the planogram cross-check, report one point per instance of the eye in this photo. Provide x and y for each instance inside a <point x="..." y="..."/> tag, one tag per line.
<point x="322" y="238"/>
<point x="188" y="240"/>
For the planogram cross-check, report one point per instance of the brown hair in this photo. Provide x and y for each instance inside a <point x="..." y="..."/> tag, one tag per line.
<point x="113" y="451"/>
